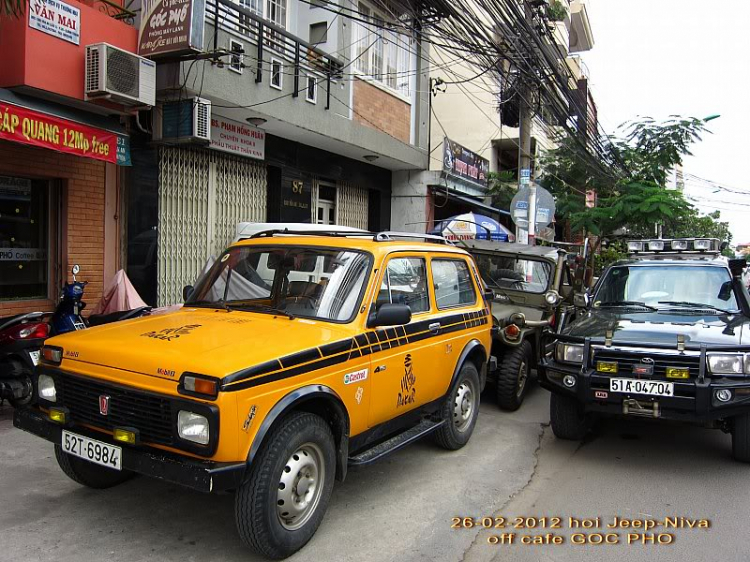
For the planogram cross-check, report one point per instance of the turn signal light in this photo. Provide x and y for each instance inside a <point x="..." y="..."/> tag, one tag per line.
<point x="52" y="354"/>
<point x="199" y="384"/>
<point x="124" y="435"/>
<point x="57" y="416"/>
<point x="512" y="331"/>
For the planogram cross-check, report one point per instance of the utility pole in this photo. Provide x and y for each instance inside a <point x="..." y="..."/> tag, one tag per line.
<point x="524" y="148"/>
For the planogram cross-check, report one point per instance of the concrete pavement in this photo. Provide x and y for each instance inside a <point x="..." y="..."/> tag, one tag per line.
<point x="401" y="509"/>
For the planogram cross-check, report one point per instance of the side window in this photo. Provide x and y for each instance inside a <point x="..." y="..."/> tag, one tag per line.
<point x="452" y="282"/>
<point x="405" y="282"/>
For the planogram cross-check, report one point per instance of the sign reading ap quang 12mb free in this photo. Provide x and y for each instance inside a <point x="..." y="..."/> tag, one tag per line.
<point x="26" y="126"/>
<point x="171" y="27"/>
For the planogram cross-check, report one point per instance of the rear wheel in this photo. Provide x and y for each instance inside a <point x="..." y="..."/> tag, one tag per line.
<point x="460" y="410"/>
<point x="279" y="508"/>
<point x="89" y="474"/>
<point x="741" y="438"/>
<point x="513" y="377"/>
<point x="567" y="418"/>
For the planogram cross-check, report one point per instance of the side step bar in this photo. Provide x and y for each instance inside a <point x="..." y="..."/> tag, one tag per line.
<point x="395" y="443"/>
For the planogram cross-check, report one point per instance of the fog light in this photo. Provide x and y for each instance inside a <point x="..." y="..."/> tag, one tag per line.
<point x="46" y="388"/>
<point x="57" y="416"/>
<point x="656" y="245"/>
<point x="124" y="435"/>
<point x="724" y="395"/>
<point x="569" y="381"/>
<point x="679" y="244"/>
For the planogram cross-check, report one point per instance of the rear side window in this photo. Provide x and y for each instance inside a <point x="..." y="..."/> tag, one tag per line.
<point x="452" y="281"/>
<point x="405" y="282"/>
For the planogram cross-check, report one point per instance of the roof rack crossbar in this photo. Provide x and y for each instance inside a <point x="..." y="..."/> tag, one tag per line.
<point x="271" y="233"/>
<point x="388" y="236"/>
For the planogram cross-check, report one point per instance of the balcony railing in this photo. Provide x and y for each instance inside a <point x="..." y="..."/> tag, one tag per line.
<point x="266" y="36"/>
<point x="116" y="11"/>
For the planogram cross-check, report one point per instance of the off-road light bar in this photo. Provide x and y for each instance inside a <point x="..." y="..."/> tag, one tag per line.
<point x="669" y="246"/>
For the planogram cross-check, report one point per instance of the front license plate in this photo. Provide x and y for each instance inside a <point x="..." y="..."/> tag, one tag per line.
<point x="634" y="386"/>
<point x="92" y="450"/>
<point x="34" y="357"/>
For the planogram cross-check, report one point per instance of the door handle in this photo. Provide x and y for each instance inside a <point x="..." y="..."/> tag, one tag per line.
<point x="434" y="327"/>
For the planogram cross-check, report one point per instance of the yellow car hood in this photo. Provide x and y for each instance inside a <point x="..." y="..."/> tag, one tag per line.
<point x="199" y="340"/>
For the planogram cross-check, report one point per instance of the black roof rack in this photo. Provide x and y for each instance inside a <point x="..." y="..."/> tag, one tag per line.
<point x="385" y="236"/>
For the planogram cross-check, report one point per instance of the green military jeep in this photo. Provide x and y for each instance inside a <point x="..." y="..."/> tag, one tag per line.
<point x="533" y="293"/>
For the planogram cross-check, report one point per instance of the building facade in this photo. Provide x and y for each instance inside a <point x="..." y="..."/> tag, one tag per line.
<point x="60" y="155"/>
<point x="311" y="113"/>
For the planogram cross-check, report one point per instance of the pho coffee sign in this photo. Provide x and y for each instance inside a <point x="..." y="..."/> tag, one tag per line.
<point x="56" y="18"/>
<point x="171" y="27"/>
<point x="463" y="163"/>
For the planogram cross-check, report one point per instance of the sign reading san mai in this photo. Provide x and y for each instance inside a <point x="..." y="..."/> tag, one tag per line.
<point x="56" y="18"/>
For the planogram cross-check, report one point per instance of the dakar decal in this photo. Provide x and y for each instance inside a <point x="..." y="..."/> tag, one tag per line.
<point x="249" y="419"/>
<point x="169" y="334"/>
<point x="356" y="376"/>
<point x="358" y="395"/>
<point x="408" y="391"/>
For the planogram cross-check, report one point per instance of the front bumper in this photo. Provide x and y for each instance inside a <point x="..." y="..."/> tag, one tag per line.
<point x="694" y="400"/>
<point x="204" y="476"/>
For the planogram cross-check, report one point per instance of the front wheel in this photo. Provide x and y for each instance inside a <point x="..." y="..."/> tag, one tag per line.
<point x="280" y="506"/>
<point x="89" y="474"/>
<point x="460" y="410"/>
<point x="741" y="438"/>
<point x="513" y="377"/>
<point x="567" y="418"/>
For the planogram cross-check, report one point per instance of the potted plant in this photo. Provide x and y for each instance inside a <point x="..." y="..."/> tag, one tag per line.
<point x="556" y="10"/>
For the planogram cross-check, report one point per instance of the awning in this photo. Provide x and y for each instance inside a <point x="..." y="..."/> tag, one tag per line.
<point x="466" y="200"/>
<point x="35" y="122"/>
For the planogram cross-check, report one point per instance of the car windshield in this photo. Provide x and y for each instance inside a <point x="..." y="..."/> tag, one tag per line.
<point x="668" y="287"/>
<point x="319" y="283"/>
<point x="516" y="273"/>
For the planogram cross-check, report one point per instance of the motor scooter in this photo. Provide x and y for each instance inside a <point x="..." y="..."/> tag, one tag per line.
<point x="67" y="316"/>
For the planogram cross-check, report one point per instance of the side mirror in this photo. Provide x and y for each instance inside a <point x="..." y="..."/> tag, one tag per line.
<point x="488" y="294"/>
<point x="76" y="269"/>
<point x="581" y="300"/>
<point x="725" y="292"/>
<point x="187" y="291"/>
<point x="390" y="315"/>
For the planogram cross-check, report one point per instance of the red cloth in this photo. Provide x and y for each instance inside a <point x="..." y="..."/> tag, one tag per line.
<point x="118" y="295"/>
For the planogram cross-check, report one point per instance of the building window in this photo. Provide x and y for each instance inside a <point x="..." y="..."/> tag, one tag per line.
<point x="236" y="60"/>
<point x="256" y="7"/>
<point x="24" y="239"/>
<point x="312" y="89"/>
<point x="277" y="74"/>
<point x="275" y="12"/>
<point x="382" y="51"/>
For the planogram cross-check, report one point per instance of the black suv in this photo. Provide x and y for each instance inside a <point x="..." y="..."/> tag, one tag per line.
<point x="664" y="334"/>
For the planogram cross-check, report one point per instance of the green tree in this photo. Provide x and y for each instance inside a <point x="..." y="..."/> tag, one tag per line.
<point x="14" y="8"/>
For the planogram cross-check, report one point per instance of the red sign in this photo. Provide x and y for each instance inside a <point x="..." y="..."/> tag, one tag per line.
<point x="39" y="129"/>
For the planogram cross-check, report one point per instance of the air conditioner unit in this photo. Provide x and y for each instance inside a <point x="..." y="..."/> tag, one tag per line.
<point x="187" y="120"/>
<point x="120" y="76"/>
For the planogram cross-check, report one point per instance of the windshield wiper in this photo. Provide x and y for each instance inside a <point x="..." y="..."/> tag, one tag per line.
<point x="262" y="308"/>
<point x="698" y="305"/>
<point x="210" y="304"/>
<point x="627" y="303"/>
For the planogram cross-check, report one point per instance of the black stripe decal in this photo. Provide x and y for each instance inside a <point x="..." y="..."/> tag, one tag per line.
<point x="346" y="350"/>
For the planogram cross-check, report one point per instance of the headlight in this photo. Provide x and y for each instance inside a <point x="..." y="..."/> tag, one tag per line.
<point x="569" y="353"/>
<point x="551" y="297"/>
<point x="192" y="427"/>
<point x="46" y="388"/>
<point x="727" y="363"/>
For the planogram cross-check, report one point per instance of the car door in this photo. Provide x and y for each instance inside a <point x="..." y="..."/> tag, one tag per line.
<point x="402" y="364"/>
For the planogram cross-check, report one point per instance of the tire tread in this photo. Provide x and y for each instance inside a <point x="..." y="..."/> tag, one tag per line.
<point x="507" y="377"/>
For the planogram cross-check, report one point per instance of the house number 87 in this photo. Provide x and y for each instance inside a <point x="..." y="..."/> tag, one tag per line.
<point x="297" y="186"/>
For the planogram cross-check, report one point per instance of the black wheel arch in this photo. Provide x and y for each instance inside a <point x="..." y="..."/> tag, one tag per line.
<point x="473" y="351"/>
<point x="317" y="399"/>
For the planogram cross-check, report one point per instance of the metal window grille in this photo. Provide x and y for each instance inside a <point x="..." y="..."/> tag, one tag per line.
<point x="352" y="206"/>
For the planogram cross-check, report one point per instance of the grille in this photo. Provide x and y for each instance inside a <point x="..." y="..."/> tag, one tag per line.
<point x="151" y="415"/>
<point x="123" y="72"/>
<point x="626" y="361"/>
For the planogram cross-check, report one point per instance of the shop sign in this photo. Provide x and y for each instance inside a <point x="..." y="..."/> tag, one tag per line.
<point x="237" y="138"/>
<point x="56" y="18"/>
<point x="16" y="188"/>
<point x="23" y="254"/>
<point x="47" y="131"/>
<point x="171" y="27"/>
<point x="123" y="151"/>
<point x="463" y="163"/>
